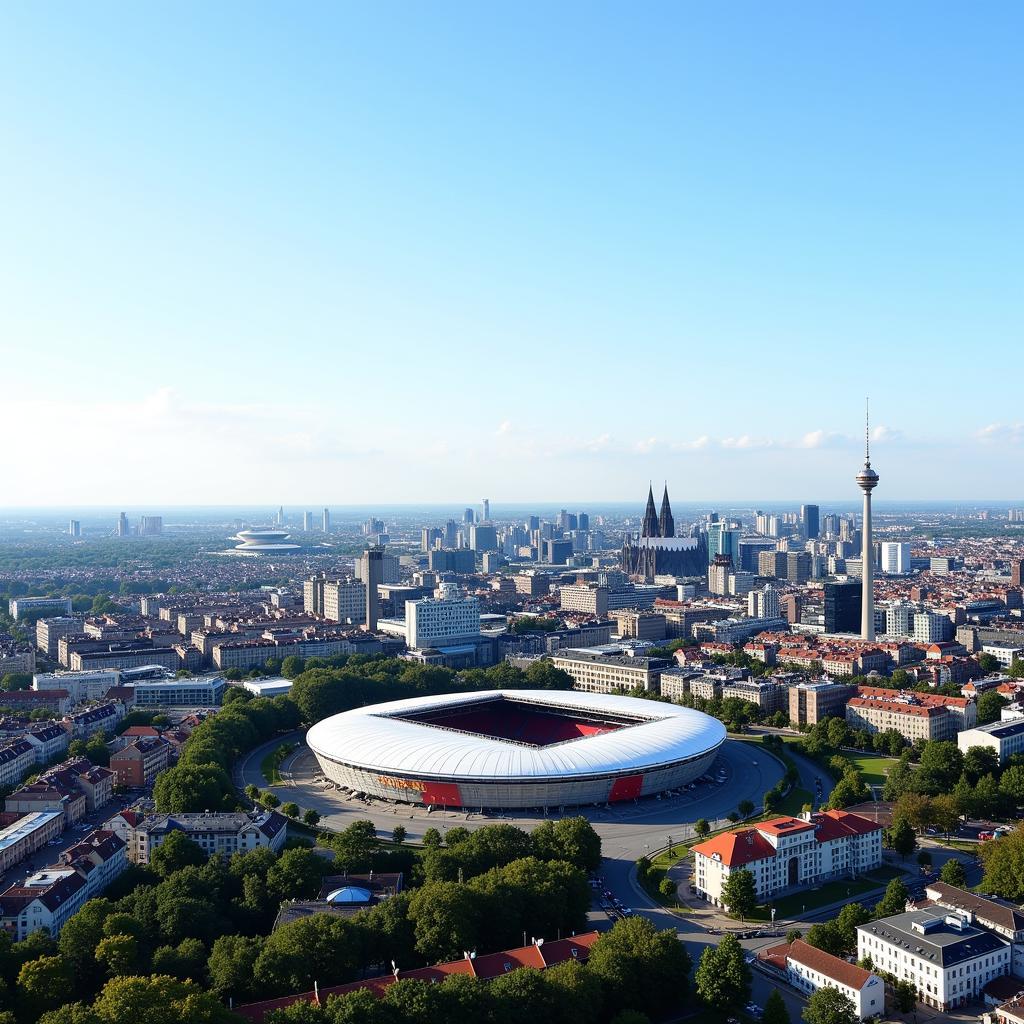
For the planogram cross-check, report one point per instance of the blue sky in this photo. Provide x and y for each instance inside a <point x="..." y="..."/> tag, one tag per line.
<point x="416" y="252"/>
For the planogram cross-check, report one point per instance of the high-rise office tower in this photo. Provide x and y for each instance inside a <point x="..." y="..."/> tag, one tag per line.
<point x="843" y="606"/>
<point x="122" y="525"/>
<point x="151" y="526"/>
<point x="895" y="558"/>
<point x="867" y="481"/>
<point x="487" y="510"/>
<point x="326" y="521"/>
<point x="533" y="523"/>
<point x="451" y="533"/>
<point x="280" y="515"/>
<point x="1017" y="572"/>
<point x="75" y="528"/>
<point x="372" y="573"/>
<point x="584" y="521"/>
<point x="307" y="522"/>
<point x="809" y="519"/>
<point x="468" y="516"/>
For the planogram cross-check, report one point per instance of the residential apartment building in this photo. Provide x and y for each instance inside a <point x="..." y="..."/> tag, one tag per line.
<point x="28" y="833"/>
<point x="20" y="606"/>
<point x="945" y="957"/>
<point x="808" y="969"/>
<point x="139" y="763"/>
<point x="50" y="897"/>
<point x="49" y="741"/>
<point x="594" y="671"/>
<point x="26" y="701"/>
<point x="784" y="854"/>
<point x="17" y="757"/>
<point x="136" y="657"/>
<point x="49" y="632"/>
<point x="222" y="833"/>
<point x="931" y="716"/>
<point x="769" y="696"/>
<point x="98" y="718"/>
<point x="640" y="625"/>
<point x="810" y="703"/>
<point x="93" y="781"/>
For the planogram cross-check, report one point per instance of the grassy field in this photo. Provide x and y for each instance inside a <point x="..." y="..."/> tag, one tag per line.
<point x="873" y="767"/>
<point x="272" y="762"/>
<point x="841" y="890"/>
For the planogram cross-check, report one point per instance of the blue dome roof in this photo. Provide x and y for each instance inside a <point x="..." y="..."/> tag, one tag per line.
<point x="349" y="894"/>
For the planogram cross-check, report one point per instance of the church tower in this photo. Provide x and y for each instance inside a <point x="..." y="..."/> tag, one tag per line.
<point x="666" y="524"/>
<point x="650" y="526"/>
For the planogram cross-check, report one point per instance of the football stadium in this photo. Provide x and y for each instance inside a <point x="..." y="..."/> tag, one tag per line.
<point x="508" y="749"/>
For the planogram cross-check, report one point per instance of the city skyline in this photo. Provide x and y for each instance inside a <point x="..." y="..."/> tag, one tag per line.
<point x="526" y="251"/>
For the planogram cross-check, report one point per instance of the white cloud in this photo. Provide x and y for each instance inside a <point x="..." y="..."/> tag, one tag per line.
<point x="696" y="445"/>
<point x="745" y="441"/>
<point x="504" y="428"/>
<point x="1003" y="433"/>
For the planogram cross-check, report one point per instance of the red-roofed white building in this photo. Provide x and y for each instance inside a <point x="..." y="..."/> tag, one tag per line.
<point x="788" y="853"/>
<point x="809" y="968"/>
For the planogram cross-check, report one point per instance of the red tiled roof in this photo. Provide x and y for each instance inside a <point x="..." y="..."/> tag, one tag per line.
<point x="735" y="849"/>
<point x="831" y="966"/>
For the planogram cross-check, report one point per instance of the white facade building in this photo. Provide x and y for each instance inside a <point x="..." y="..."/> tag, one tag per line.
<point x="763" y="604"/>
<point x="433" y="622"/>
<point x="931" y="627"/>
<point x="81" y="686"/>
<point x="1005" y="738"/>
<point x="789" y="853"/>
<point x="895" y="558"/>
<point x="940" y="952"/>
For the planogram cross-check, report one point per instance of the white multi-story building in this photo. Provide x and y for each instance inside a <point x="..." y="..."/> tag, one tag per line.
<point x="587" y="598"/>
<point x="433" y="622"/>
<point x="16" y="758"/>
<point x="345" y="601"/>
<point x="194" y="693"/>
<point x="899" y="619"/>
<point x="19" y="606"/>
<point x="895" y="558"/>
<point x="81" y="686"/>
<point x="931" y="627"/>
<point x="1006" y="654"/>
<point x="940" y="952"/>
<point x="597" y="671"/>
<point x="223" y="833"/>
<point x="764" y="603"/>
<point x="1005" y="738"/>
<point x="808" y="969"/>
<point x="788" y="853"/>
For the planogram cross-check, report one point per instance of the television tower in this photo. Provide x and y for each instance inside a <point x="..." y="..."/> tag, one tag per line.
<point x="867" y="481"/>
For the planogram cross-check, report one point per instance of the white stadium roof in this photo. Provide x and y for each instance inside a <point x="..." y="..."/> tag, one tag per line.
<point x="370" y="738"/>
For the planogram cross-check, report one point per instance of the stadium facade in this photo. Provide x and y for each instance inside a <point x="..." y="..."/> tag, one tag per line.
<point x="508" y="749"/>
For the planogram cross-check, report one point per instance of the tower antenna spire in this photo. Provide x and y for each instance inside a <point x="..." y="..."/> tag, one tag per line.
<point x="867" y="430"/>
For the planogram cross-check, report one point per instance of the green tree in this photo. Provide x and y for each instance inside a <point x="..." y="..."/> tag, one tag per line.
<point x="431" y="838"/>
<point x="946" y="812"/>
<point x="320" y="948"/>
<point x="847" y="920"/>
<point x="900" y="838"/>
<point x="723" y="977"/>
<point x="45" y="982"/>
<point x="193" y="787"/>
<point x="290" y="809"/>
<point x="292" y="666"/>
<point x="701" y="827"/>
<point x="398" y="834"/>
<point x="924" y="860"/>
<point x="231" y="965"/>
<point x="157" y="999"/>
<point x="739" y="893"/>
<point x="986" y="801"/>
<point x="990" y="704"/>
<point x="1003" y="860"/>
<point x="1016" y="669"/>
<point x="571" y="839"/>
<point x="829" y="1006"/>
<point x="640" y="968"/>
<point x="904" y="995"/>
<point x="311" y="818"/>
<point x="979" y="761"/>
<point x="186" y="961"/>
<point x="826" y="935"/>
<point x="295" y="875"/>
<point x="119" y="954"/>
<point x="953" y="873"/>
<point x="745" y="808"/>
<point x="446" y="919"/>
<point x="177" y="851"/>
<point x="850" y="789"/>
<point x="894" y="901"/>
<point x="775" y="1011"/>
<point x="941" y="765"/>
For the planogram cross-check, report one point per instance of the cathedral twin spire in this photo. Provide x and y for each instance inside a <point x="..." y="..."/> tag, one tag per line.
<point x="655" y="525"/>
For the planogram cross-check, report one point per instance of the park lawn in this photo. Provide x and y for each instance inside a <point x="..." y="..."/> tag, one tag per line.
<point x="874" y="768"/>
<point x="270" y="765"/>
<point x="842" y="890"/>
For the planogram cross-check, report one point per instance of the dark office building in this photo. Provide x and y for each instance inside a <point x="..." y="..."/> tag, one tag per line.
<point x="750" y="548"/>
<point x="457" y="560"/>
<point x="842" y="607"/>
<point x="809" y="517"/>
<point x="557" y="552"/>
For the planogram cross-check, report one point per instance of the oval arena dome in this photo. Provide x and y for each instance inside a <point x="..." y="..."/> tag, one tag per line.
<point x="516" y="748"/>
